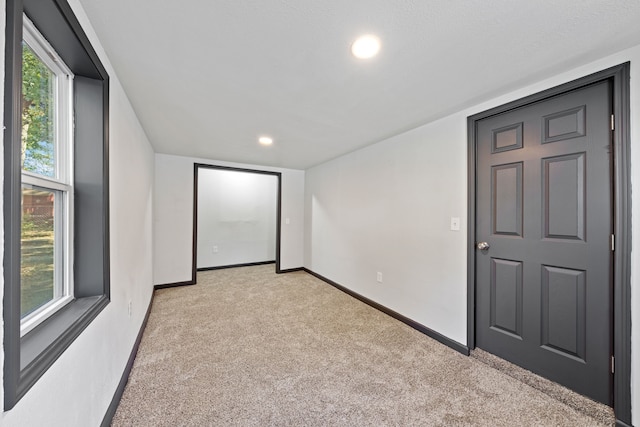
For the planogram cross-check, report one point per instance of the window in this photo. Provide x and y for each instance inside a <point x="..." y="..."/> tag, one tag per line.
<point x="56" y="189"/>
<point x="47" y="188"/>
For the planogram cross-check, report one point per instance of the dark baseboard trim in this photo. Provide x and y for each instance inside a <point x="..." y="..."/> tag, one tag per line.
<point x="193" y="282"/>
<point x="249" y="264"/>
<point x="412" y="323"/>
<point x="622" y="424"/>
<point x="290" y="270"/>
<point x="174" y="285"/>
<point x="115" y="401"/>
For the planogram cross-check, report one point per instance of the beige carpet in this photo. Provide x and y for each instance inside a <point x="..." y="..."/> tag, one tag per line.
<point x="247" y="347"/>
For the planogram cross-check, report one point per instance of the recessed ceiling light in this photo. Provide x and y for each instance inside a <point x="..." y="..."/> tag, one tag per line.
<point x="265" y="140"/>
<point x="366" y="46"/>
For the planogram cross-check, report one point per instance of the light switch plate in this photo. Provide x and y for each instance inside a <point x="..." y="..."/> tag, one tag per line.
<point x="455" y="223"/>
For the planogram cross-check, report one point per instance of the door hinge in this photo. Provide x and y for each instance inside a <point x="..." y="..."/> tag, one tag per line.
<point x="613" y="364"/>
<point x="613" y="242"/>
<point x="613" y="125"/>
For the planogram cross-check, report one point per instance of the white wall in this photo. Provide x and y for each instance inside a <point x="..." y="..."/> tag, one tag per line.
<point x="237" y="214"/>
<point x="387" y="208"/>
<point x="173" y="216"/>
<point x="78" y="388"/>
<point x="384" y="208"/>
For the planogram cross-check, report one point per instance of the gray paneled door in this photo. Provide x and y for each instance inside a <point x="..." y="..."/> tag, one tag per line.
<point x="544" y="208"/>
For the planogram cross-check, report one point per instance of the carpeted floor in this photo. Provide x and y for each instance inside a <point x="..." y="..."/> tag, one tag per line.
<point x="247" y="347"/>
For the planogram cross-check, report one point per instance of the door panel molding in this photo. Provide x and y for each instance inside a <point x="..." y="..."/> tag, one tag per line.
<point x="506" y="313"/>
<point x="564" y="330"/>
<point x="619" y="78"/>
<point x="506" y="199"/>
<point x="507" y="138"/>
<point x="556" y="171"/>
<point x="564" y="125"/>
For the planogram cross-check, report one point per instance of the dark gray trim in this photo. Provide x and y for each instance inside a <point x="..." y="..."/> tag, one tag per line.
<point x="41" y="347"/>
<point x="12" y="200"/>
<point x="622" y="254"/>
<point x="194" y="248"/>
<point x="194" y="239"/>
<point x="27" y="358"/>
<point x="409" y="322"/>
<point x="247" y="264"/>
<point x="471" y="234"/>
<point x="117" y="395"/>
<point x="174" y="284"/>
<point x="278" y="221"/>
<point x="622" y="424"/>
<point x="234" y="169"/>
<point x="291" y="270"/>
<point x="619" y="75"/>
<point x="106" y="209"/>
<point x="91" y="257"/>
<point x="57" y="23"/>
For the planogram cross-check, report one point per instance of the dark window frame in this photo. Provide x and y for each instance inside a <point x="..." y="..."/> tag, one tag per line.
<point x="27" y="358"/>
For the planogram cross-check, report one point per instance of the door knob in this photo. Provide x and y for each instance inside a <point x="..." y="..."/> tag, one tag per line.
<point x="483" y="246"/>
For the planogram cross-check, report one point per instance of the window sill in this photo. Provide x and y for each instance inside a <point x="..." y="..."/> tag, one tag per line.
<point x="42" y="346"/>
<point x="39" y="316"/>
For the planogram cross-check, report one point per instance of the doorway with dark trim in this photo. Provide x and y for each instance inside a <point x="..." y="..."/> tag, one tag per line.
<point x="507" y="326"/>
<point x="247" y="173"/>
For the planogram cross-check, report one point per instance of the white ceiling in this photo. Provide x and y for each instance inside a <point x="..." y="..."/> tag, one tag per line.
<point x="206" y="78"/>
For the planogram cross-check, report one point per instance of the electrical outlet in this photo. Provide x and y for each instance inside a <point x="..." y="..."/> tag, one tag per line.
<point x="214" y="249"/>
<point x="287" y="221"/>
<point x="130" y="308"/>
<point x="379" y="277"/>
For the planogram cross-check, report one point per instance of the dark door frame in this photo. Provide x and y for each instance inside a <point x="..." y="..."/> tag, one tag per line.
<point x="621" y="315"/>
<point x="196" y="168"/>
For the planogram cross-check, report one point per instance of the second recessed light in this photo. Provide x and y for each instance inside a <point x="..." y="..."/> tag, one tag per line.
<point x="265" y="140"/>
<point x="366" y="46"/>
